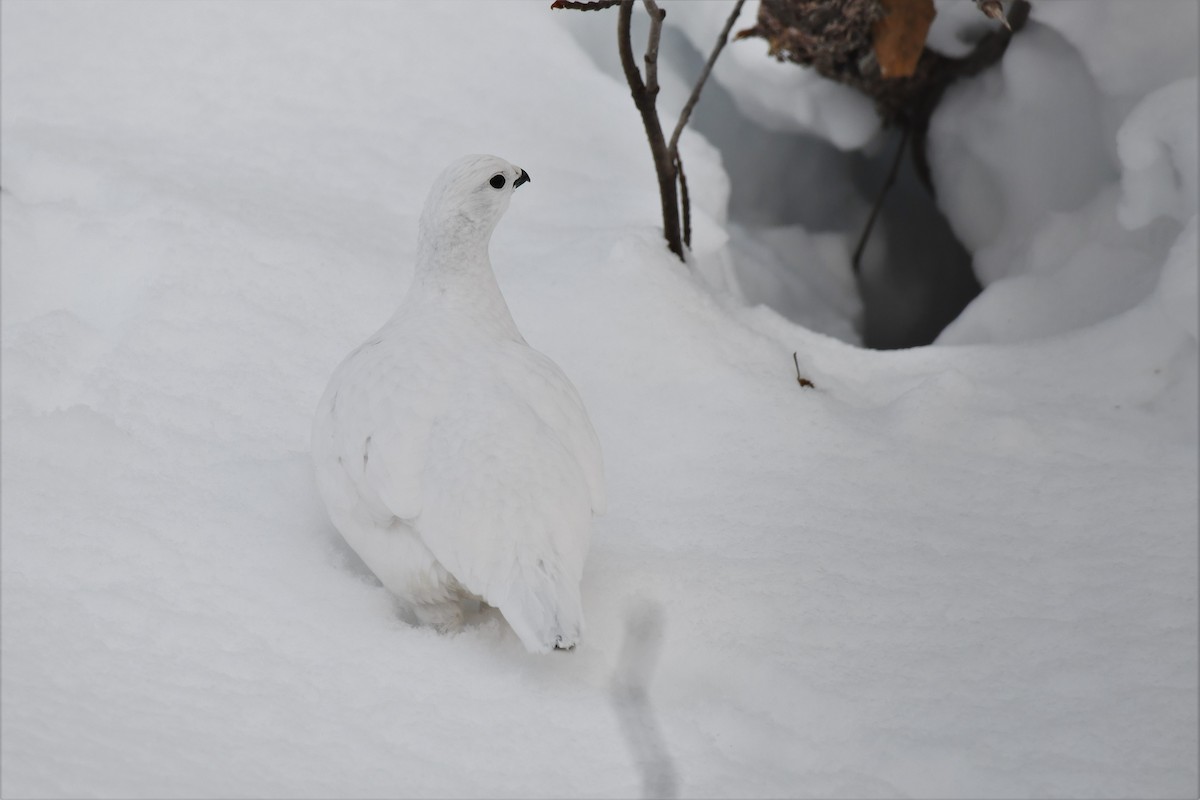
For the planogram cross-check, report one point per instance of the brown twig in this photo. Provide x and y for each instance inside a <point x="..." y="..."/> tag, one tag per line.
<point x="805" y="383"/>
<point x="686" y="114"/>
<point x="694" y="98"/>
<point x="893" y="171"/>
<point x="651" y="56"/>
<point x="625" y="50"/>
<point x="592" y="5"/>
<point x="684" y="202"/>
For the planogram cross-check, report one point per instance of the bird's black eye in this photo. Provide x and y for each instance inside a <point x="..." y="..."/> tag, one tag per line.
<point x="497" y="181"/>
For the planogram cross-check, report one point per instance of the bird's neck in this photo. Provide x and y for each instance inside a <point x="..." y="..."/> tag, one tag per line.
<point x="455" y="273"/>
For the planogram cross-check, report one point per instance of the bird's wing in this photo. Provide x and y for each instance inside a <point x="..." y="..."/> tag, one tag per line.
<point x="374" y="424"/>
<point x="508" y="505"/>
<point x="554" y="399"/>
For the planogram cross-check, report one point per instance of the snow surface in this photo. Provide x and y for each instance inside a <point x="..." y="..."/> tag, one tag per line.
<point x="961" y="570"/>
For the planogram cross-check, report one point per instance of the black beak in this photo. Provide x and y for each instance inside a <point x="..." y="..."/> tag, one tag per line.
<point x="522" y="178"/>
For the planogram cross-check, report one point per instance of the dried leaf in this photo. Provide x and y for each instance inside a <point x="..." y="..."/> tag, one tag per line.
<point x="899" y="37"/>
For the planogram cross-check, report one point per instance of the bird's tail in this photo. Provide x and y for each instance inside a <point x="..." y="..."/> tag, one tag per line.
<point x="544" y="608"/>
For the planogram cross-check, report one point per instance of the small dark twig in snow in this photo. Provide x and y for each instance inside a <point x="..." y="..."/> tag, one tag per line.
<point x="804" y="382"/>
<point x="643" y="635"/>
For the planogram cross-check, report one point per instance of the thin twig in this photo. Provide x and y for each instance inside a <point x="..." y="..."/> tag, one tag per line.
<point x="893" y="171"/>
<point x="592" y="5"/>
<point x="684" y="202"/>
<point x="805" y="383"/>
<point x="686" y="114"/>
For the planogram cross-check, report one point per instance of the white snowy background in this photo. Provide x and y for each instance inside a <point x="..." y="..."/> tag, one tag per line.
<point x="961" y="570"/>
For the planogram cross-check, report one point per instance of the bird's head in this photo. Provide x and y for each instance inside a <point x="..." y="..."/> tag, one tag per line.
<point x="470" y="196"/>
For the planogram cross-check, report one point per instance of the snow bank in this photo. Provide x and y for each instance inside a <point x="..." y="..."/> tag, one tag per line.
<point x="823" y="292"/>
<point x="1158" y="146"/>
<point x="1177" y="289"/>
<point x="956" y="27"/>
<point x="1006" y="151"/>
<point x="1070" y="218"/>
<point x="949" y="571"/>
<point x="1129" y="50"/>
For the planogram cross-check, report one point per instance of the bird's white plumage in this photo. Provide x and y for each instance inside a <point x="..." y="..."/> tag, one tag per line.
<point x="457" y="461"/>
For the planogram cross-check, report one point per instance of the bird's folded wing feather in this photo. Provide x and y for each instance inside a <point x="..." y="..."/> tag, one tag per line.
<point x="506" y="502"/>
<point x="554" y="399"/>
<point x="381" y="413"/>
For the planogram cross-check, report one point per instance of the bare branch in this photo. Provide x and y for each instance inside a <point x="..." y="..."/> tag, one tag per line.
<point x="590" y="5"/>
<point x="651" y="58"/>
<point x="644" y="99"/>
<point x="684" y="115"/>
<point x="625" y="49"/>
<point x="668" y="168"/>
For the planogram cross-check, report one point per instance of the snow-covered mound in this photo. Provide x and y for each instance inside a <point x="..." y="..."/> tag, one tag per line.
<point x="1070" y="170"/>
<point x="951" y="571"/>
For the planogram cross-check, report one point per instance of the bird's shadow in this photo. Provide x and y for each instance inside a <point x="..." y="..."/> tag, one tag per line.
<point x="344" y="558"/>
<point x="476" y="613"/>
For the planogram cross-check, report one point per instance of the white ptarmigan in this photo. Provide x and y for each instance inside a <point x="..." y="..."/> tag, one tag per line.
<point x="455" y="459"/>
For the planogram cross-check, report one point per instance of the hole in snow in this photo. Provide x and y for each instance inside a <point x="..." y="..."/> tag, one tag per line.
<point x="915" y="276"/>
